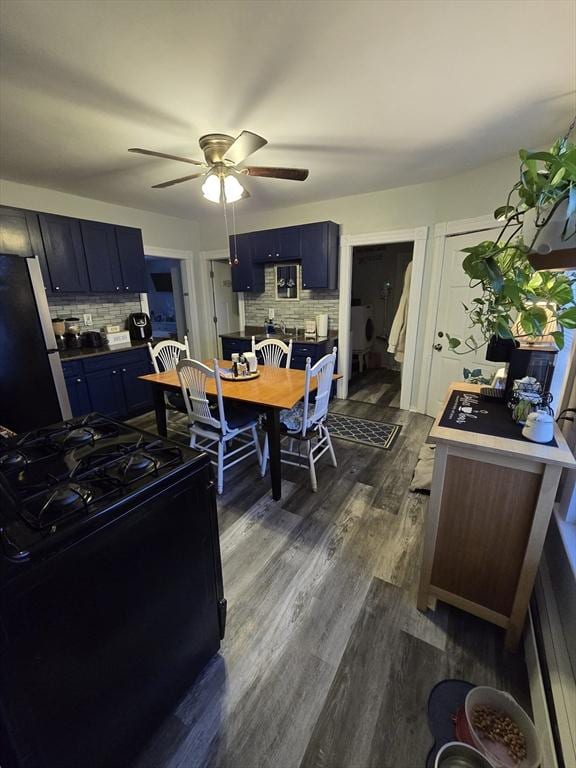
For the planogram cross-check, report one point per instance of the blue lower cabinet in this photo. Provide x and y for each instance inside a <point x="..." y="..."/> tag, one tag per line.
<point x="234" y="345"/>
<point x="106" y="395"/>
<point x="109" y="384"/>
<point x="137" y="393"/>
<point x="78" y="395"/>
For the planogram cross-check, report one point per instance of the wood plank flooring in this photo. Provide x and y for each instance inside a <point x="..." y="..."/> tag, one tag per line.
<point x="379" y="386"/>
<point x="326" y="662"/>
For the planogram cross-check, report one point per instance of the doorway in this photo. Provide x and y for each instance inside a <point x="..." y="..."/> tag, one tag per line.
<point x="378" y="313"/>
<point x="165" y="298"/>
<point x="226" y="313"/>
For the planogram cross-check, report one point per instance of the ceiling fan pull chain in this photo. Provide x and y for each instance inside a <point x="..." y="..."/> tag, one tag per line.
<point x="234" y="230"/>
<point x="226" y="224"/>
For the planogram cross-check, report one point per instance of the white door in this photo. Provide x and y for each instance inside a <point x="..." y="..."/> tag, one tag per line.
<point x="225" y="301"/>
<point x="451" y="318"/>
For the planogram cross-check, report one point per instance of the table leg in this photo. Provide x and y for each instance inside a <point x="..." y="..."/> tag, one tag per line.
<point x="160" y="408"/>
<point x="273" y="430"/>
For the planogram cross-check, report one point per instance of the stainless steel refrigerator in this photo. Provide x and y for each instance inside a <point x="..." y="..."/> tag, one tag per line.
<point x="32" y="387"/>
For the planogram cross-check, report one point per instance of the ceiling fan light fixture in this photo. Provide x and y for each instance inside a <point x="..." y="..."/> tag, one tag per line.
<point x="211" y="188"/>
<point x="233" y="190"/>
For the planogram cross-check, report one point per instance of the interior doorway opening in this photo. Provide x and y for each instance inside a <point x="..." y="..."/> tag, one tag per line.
<point x="378" y="321"/>
<point x="165" y="298"/>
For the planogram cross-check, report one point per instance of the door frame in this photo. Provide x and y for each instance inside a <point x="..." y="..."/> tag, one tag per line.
<point x="189" y="289"/>
<point x="205" y="308"/>
<point x="418" y="236"/>
<point x="441" y="232"/>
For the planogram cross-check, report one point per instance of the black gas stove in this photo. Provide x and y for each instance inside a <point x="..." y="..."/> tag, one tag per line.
<point x="55" y="480"/>
<point x="111" y="594"/>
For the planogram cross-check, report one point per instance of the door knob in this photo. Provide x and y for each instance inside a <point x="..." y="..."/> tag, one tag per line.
<point x="438" y="347"/>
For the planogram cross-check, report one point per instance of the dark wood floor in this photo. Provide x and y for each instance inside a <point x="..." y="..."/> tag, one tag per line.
<point x="326" y="661"/>
<point x="379" y="386"/>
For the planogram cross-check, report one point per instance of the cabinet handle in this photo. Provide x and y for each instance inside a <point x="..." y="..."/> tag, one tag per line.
<point x="303" y="285"/>
<point x="114" y="372"/>
<point x="117" y="287"/>
<point x="123" y="370"/>
<point x="56" y="287"/>
<point x="79" y="381"/>
<point x="247" y="286"/>
<point x="277" y="255"/>
<point x="127" y="287"/>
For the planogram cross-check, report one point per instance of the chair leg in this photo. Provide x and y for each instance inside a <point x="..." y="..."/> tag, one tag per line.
<point x="220" y="466"/>
<point x="313" y="480"/>
<point x="264" y="463"/>
<point x="257" y="444"/>
<point x="330" y="447"/>
<point x="192" y="440"/>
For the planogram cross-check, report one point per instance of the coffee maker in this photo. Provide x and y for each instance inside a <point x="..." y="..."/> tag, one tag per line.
<point x="139" y="326"/>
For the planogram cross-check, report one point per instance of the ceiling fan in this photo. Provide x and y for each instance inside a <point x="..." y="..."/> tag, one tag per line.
<point x="223" y="159"/>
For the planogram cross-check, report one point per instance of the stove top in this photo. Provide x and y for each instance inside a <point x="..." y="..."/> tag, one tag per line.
<point x="56" y="478"/>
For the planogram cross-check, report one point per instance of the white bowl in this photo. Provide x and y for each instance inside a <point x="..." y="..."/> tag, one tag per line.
<point x="495" y="752"/>
<point x="456" y="754"/>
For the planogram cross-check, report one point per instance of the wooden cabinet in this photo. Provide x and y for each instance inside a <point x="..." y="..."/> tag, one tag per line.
<point x="20" y="236"/>
<point x="315" y="245"/>
<point x="102" y="259"/>
<point x="109" y="384"/>
<point x="247" y="275"/>
<point x="131" y="254"/>
<point x="490" y="505"/>
<point x="319" y="248"/>
<point x="64" y="254"/>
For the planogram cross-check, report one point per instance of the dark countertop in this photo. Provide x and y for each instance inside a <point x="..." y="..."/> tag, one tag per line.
<point x="77" y="354"/>
<point x="259" y="335"/>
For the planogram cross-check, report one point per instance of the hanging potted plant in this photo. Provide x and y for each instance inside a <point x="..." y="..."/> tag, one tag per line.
<point x="516" y="300"/>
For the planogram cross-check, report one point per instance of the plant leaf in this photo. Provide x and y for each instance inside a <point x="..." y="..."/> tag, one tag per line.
<point x="558" y="176"/>
<point x="567" y="318"/>
<point x="503" y="212"/>
<point x="558" y="338"/>
<point x="453" y="342"/>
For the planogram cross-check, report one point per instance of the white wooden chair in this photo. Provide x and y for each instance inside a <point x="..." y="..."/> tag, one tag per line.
<point x="306" y="422"/>
<point x="272" y="351"/>
<point x="165" y="356"/>
<point x="210" y="425"/>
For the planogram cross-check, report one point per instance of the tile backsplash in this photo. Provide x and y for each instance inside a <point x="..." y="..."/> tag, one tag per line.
<point x="293" y="313"/>
<point x="105" y="308"/>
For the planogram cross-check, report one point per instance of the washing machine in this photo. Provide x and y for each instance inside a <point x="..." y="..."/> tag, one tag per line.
<point x="363" y="331"/>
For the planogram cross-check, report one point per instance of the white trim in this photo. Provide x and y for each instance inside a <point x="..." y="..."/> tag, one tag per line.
<point x="206" y="310"/>
<point x="463" y="226"/>
<point x="189" y="289"/>
<point x="347" y="243"/>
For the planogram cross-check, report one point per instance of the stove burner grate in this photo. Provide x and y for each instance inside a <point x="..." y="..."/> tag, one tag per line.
<point x="62" y="502"/>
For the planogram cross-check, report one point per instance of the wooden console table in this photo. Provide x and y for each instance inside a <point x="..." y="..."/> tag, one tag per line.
<point x="490" y="505"/>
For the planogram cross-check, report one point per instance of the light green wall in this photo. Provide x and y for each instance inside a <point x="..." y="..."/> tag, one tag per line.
<point x="157" y="230"/>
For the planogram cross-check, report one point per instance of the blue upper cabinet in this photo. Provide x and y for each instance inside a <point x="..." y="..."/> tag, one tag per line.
<point x="131" y="253"/>
<point x="102" y="257"/>
<point x="319" y="245"/>
<point x="20" y="236"/>
<point x="247" y="275"/>
<point x="64" y="254"/>
<point x="314" y="245"/>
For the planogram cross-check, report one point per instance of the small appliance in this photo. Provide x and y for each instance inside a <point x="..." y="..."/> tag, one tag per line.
<point x="58" y="326"/>
<point x="309" y="329"/>
<point x="539" y="427"/>
<point x="73" y="340"/>
<point x="535" y="360"/>
<point x="139" y="326"/>
<point x="92" y="339"/>
<point x="322" y="325"/>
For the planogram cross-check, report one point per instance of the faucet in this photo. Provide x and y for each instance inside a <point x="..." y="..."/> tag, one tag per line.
<point x="282" y="325"/>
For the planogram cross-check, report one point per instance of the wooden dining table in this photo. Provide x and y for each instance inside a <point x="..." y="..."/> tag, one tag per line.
<point x="273" y="391"/>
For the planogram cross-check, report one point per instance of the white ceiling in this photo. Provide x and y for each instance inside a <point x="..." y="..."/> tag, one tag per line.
<point x="368" y="95"/>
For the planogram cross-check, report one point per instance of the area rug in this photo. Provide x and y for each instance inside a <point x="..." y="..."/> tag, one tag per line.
<point x="378" y="434"/>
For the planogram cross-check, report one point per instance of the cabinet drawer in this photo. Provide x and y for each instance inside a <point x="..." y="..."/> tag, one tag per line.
<point x="72" y="367"/>
<point x="115" y="359"/>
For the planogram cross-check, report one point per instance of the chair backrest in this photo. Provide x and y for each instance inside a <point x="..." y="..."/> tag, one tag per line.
<point x="272" y="351"/>
<point x="168" y="354"/>
<point x="193" y="376"/>
<point x="323" y="370"/>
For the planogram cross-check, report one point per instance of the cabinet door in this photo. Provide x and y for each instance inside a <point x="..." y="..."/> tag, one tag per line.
<point x="132" y="264"/>
<point x="289" y="244"/>
<point x="64" y="253"/>
<point x="20" y="236"/>
<point x="102" y="258"/>
<point x="105" y="392"/>
<point x="319" y="248"/>
<point x="137" y="394"/>
<point x="265" y="245"/>
<point x="246" y="276"/>
<point x="78" y="395"/>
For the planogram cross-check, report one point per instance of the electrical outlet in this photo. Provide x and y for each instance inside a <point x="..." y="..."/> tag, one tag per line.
<point x="88" y="319"/>
<point x="271" y="313"/>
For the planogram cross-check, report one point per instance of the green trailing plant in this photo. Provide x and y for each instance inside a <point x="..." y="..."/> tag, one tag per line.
<point x="512" y="291"/>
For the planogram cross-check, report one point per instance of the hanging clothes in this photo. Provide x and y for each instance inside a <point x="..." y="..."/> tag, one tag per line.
<point x="397" y="340"/>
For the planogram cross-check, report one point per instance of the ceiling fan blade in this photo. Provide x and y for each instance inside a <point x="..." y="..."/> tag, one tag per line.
<point x="165" y="156"/>
<point x="295" y="174"/>
<point x="176" y="181"/>
<point x="243" y="145"/>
